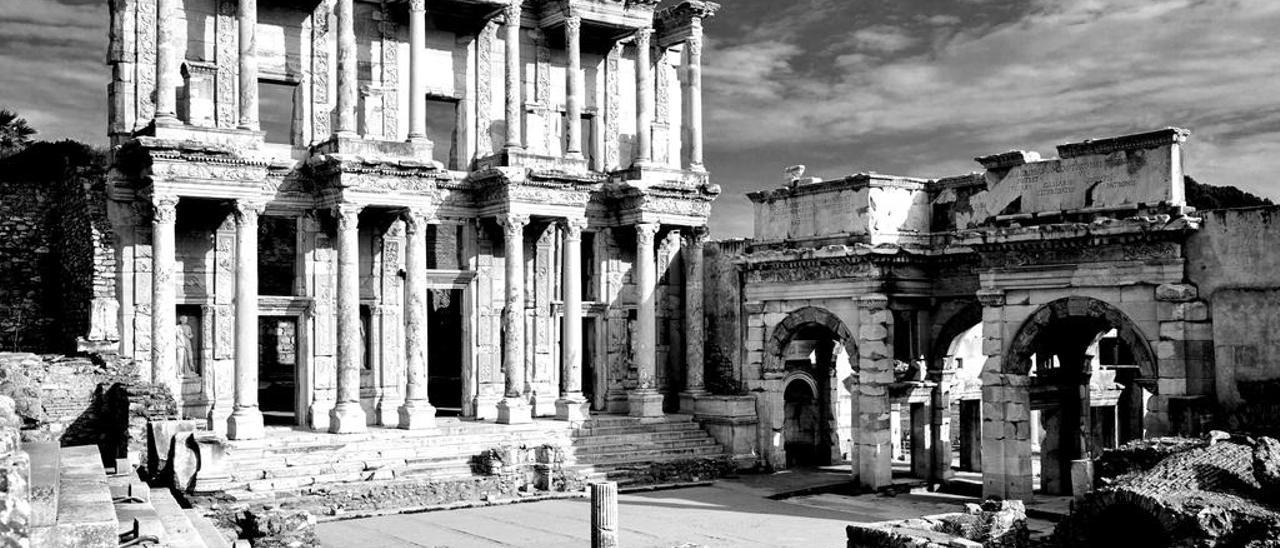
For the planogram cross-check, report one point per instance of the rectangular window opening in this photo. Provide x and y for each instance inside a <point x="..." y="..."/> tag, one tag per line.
<point x="278" y="111"/>
<point x="442" y="130"/>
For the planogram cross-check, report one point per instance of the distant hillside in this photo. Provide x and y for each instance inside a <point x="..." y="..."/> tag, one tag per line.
<point x="1202" y="196"/>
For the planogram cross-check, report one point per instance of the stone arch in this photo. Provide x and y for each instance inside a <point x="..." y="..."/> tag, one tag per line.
<point x="1017" y="356"/>
<point x="803" y="317"/>
<point x="963" y="320"/>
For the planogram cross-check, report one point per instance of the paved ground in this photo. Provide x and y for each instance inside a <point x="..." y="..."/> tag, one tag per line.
<point x="728" y="513"/>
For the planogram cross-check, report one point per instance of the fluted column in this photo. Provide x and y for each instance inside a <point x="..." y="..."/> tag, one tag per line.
<point x="573" y="85"/>
<point x="347" y="65"/>
<point x="245" y="421"/>
<point x="166" y="62"/>
<point x="515" y="103"/>
<point x="164" y="298"/>
<point x="248" y="24"/>
<point x="417" y="412"/>
<point x="693" y="318"/>
<point x="694" y="83"/>
<point x="514" y="407"/>
<point x="644" y="97"/>
<point x="347" y="416"/>
<point x="645" y="401"/>
<point x="572" y="406"/>
<point x="417" y="70"/>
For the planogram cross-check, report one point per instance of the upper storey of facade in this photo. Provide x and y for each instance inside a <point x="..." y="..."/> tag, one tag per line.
<point x="445" y="92"/>
<point x="1123" y="177"/>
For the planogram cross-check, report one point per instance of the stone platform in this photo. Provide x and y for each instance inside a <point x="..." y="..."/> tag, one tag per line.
<point x="288" y="462"/>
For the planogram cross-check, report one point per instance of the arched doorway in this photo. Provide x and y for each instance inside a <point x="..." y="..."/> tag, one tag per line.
<point x="1069" y="400"/>
<point x="813" y="352"/>
<point x="958" y="349"/>
<point x="803" y="425"/>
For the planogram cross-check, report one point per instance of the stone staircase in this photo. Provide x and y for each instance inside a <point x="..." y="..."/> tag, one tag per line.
<point x="290" y="463"/>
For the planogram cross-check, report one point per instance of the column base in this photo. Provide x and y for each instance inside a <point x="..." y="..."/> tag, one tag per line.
<point x="689" y="401"/>
<point x="573" y="408"/>
<point x="418" y="415"/>
<point x="348" y="418"/>
<point x="318" y="415"/>
<point x="486" y="407"/>
<point x="219" y="414"/>
<point x="514" y="411"/>
<point x="245" y="423"/>
<point x="645" y="404"/>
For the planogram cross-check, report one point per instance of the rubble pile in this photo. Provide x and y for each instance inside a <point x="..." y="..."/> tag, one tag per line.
<point x="992" y="524"/>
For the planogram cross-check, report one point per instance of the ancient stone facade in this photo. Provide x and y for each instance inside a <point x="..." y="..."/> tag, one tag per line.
<point x="1053" y="307"/>
<point x="344" y="213"/>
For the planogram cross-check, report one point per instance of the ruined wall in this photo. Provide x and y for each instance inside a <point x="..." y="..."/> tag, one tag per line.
<point x="55" y="249"/>
<point x="722" y="294"/>
<point x="1233" y="262"/>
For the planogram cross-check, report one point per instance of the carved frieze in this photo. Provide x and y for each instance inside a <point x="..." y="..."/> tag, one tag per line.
<point x="1079" y="251"/>
<point x="800" y="271"/>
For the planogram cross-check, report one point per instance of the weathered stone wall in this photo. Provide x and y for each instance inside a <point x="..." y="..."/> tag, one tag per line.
<point x="722" y="294"/>
<point x="1233" y="263"/>
<point x="55" y="249"/>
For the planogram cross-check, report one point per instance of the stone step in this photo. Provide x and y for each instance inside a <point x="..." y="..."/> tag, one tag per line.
<point x="140" y="517"/>
<point x="639" y="429"/>
<point x="370" y="449"/>
<point x="208" y="533"/>
<point x="178" y="529"/>
<point x="86" y="516"/>
<point x="291" y="438"/>
<point x="45" y="458"/>
<point x="607" y="439"/>
<point x="624" y="457"/>
<point x="643" y="445"/>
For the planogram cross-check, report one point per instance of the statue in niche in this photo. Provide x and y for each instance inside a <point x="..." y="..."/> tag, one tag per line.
<point x="187" y="347"/>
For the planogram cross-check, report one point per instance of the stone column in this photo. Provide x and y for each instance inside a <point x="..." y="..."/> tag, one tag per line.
<point x="514" y="407"/>
<point x="693" y="70"/>
<point x="644" y="97"/>
<point x="417" y="412"/>
<point x="604" y="515"/>
<point x="695" y="330"/>
<point x="347" y="416"/>
<point x="941" y="419"/>
<point x="245" y="421"/>
<point x="515" y="101"/>
<point x="166" y="63"/>
<point x="875" y="373"/>
<point x="417" y="70"/>
<point x="164" y="298"/>
<point x="645" y="401"/>
<point x="573" y="85"/>
<point x="572" y="406"/>
<point x="248" y="24"/>
<point x="347" y="65"/>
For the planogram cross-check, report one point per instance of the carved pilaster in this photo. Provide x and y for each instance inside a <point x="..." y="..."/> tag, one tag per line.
<point x="613" y="109"/>
<point x="485" y="44"/>
<point x="390" y="46"/>
<point x="321" y="108"/>
<point x="227" y="57"/>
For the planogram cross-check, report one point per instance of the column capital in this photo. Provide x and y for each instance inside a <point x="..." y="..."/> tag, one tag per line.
<point x="573" y="227"/>
<point x="694" y="43"/>
<point x="417" y="6"/>
<point x="347" y="214"/>
<point x="573" y="23"/>
<point x="416" y="218"/>
<point x="642" y="37"/>
<point x="698" y="236"/>
<point x="512" y="223"/>
<point x="645" y="233"/>
<point x="247" y="212"/>
<point x="991" y="297"/>
<point x="513" y="10"/>
<point x="164" y="208"/>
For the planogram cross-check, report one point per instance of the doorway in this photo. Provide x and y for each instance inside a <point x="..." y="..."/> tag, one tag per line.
<point x="278" y="369"/>
<point x="802" y="424"/>
<point x="444" y="351"/>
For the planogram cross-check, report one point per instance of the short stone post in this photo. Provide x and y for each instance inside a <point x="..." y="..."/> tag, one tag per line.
<point x="604" y="515"/>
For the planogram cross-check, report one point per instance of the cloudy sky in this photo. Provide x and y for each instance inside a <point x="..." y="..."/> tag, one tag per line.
<point x="912" y="87"/>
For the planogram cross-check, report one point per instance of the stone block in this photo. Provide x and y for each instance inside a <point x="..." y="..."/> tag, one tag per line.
<point x="1166" y="349"/>
<point x="1177" y="292"/>
<point x="1172" y="387"/>
<point x="875" y="350"/>
<point x="872" y="332"/>
<point x="992" y="347"/>
<point x="1017" y="411"/>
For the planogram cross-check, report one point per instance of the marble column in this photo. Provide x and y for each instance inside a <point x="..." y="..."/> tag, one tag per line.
<point x="644" y="97"/>
<point x="417" y="412"/>
<point x="347" y="69"/>
<point x="245" y="421"/>
<point x="164" y="297"/>
<point x="515" y="101"/>
<point x="347" y="416"/>
<point x="418" y="70"/>
<point x="572" y="406"/>
<point x="645" y="401"/>
<point x="166" y="62"/>
<point x="514" y="407"/>
<point x="573" y="85"/>
<point x="248" y="24"/>
<point x="693" y="83"/>
<point x="693" y="317"/>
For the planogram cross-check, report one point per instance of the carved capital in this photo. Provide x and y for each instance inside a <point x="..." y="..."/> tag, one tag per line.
<point x="642" y="37"/>
<point x="164" y="209"/>
<point x="417" y="6"/>
<point x="645" y="233"/>
<point x="513" y="225"/>
<point x="247" y="212"/>
<point x="348" y="216"/>
<point x="573" y="25"/>
<point x="991" y="297"/>
<point x="698" y="236"/>
<point x="512" y="12"/>
<point x="415" y="219"/>
<point x="573" y="228"/>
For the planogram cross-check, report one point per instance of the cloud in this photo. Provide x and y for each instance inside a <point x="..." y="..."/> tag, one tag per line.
<point x="1057" y="72"/>
<point x="882" y="39"/>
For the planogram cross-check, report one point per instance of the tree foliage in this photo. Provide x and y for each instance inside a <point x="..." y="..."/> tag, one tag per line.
<point x="15" y="133"/>
<point x="1202" y="196"/>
